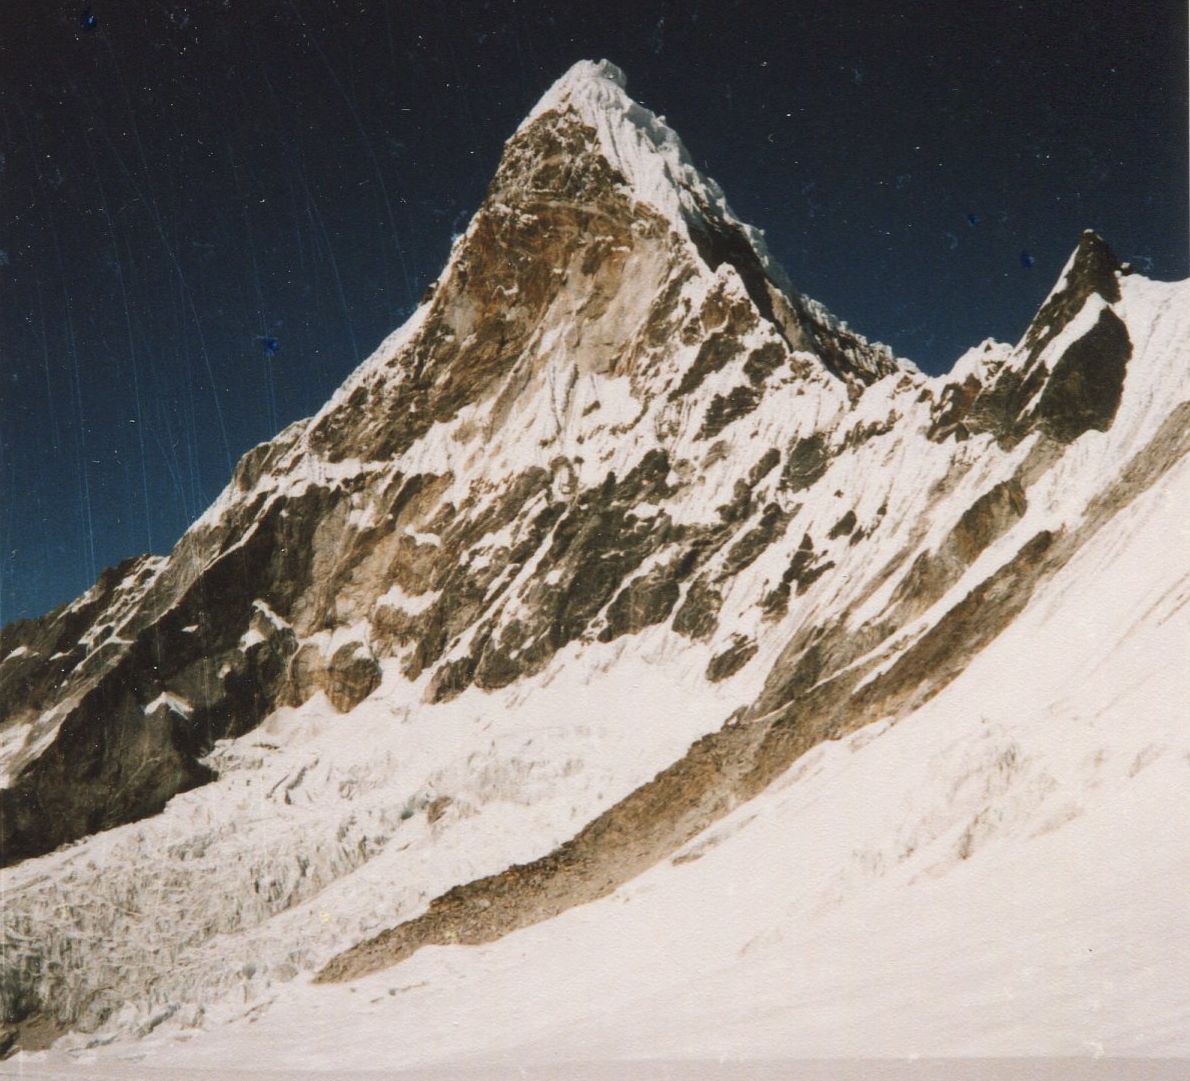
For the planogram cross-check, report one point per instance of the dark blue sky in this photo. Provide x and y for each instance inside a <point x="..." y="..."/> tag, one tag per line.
<point x="182" y="181"/>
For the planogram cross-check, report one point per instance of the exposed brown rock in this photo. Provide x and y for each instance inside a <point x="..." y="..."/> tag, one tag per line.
<point x="762" y="362"/>
<point x="352" y="674"/>
<point x="714" y="353"/>
<point x="1093" y="271"/>
<point x="745" y="551"/>
<point x="806" y="461"/>
<point x="478" y="580"/>
<point x="1085" y="387"/>
<point x="726" y="664"/>
<point x="726" y="408"/>
<point x="34" y="1032"/>
<point x="644" y="601"/>
<point x="698" y="615"/>
<point x="1082" y="391"/>
<point x="844" y="526"/>
<point x="932" y="573"/>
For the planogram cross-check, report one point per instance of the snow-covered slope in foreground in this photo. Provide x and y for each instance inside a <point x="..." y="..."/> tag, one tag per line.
<point x="1002" y="872"/>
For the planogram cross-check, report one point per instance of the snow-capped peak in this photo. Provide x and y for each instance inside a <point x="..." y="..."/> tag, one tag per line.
<point x="649" y="159"/>
<point x="586" y="80"/>
<point x="638" y="144"/>
<point x="645" y="150"/>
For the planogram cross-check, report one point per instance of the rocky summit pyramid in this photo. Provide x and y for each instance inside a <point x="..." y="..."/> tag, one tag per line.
<point x="597" y="547"/>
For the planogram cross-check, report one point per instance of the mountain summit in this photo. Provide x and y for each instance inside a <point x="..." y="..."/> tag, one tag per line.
<point x="597" y="548"/>
<point x="648" y="159"/>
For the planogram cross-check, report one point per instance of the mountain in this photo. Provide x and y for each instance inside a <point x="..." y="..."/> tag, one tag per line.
<point x="600" y="559"/>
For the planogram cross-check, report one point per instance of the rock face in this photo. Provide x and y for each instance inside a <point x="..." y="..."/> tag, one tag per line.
<point x="1061" y="392"/>
<point x="612" y="419"/>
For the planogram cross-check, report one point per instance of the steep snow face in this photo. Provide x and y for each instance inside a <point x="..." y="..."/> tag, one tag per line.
<point x="612" y="486"/>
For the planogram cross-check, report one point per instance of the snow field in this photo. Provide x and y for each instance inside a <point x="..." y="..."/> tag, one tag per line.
<point x="1002" y="873"/>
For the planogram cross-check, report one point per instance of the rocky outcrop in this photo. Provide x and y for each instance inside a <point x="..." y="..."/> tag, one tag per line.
<point x="1085" y="387"/>
<point x="934" y="572"/>
<point x="1063" y="395"/>
<point x="347" y="676"/>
